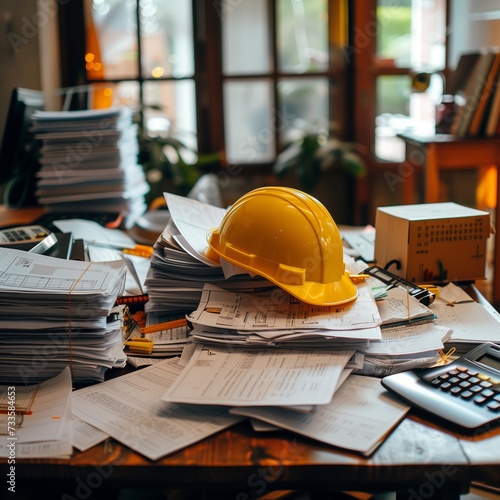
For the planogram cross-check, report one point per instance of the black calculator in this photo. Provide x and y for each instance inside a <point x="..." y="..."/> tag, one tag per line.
<point x="465" y="392"/>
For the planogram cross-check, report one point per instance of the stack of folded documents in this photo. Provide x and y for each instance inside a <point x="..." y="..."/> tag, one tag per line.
<point x="179" y="268"/>
<point x="58" y="313"/>
<point x="89" y="162"/>
<point x="225" y="305"/>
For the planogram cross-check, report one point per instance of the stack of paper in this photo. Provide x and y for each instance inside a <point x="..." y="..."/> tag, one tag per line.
<point x="275" y="318"/>
<point x="89" y="162"/>
<point x="58" y="313"/>
<point x="179" y="268"/>
<point x="42" y="426"/>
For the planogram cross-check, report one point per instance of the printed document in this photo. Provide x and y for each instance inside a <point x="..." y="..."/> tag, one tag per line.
<point x="278" y="310"/>
<point x="129" y="409"/>
<point x="359" y="417"/>
<point x="249" y="377"/>
<point x="193" y="219"/>
<point x="44" y="431"/>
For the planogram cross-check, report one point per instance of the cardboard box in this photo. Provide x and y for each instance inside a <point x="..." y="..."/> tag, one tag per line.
<point x="433" y="242"/>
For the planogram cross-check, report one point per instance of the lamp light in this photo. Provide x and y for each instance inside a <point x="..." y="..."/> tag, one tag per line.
<point x="445" y="109"/>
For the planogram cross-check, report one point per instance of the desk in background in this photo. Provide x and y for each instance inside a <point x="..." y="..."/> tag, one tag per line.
<point x="430" y="155"/>
<point x="21" y="217"/>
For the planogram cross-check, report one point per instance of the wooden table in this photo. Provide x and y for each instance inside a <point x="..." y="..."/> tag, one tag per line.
<point x="430" y="155"/>
<point x="420" y="459"/>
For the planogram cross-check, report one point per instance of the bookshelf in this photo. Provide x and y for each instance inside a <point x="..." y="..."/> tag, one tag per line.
<point x="476" y="90"/>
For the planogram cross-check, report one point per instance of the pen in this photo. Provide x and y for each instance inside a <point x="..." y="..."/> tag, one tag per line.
<point x="164" y="326"/>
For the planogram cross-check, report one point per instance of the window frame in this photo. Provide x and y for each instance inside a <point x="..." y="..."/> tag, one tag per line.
<point x="366" y="71"/>
<point x="209" y="78"/>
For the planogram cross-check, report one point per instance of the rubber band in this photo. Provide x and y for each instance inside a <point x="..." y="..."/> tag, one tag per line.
<point x="69" y="318"/>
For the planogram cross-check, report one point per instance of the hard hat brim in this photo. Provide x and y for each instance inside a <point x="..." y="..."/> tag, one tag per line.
<point x="334" y="293"/>
<point x="323" y="294"/>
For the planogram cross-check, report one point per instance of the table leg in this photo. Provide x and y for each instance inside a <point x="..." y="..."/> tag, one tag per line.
<point x="432" y="175"/>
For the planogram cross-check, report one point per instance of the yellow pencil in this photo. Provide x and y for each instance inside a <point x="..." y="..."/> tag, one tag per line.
<point x="167" y="325"/>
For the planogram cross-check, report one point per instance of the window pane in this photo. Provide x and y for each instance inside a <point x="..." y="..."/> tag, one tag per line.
<point x="170" y="110"/>
<point x="411" y="33"/>
<point x="302" y="35"/>
<point x="399" y="111"/>
<point x="303" y="106"/>
<point x="166" y="38"/>
<point x="111" y="50"/>
<point x="249" y="126"/>
<point x="245" y="41"/>
<point x="105" y="95"/>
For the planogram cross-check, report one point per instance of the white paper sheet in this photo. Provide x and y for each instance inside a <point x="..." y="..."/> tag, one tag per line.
<point x="194" y="219"/>
<point x="277" y="310"/>
<point x="401" y="340"/>
<point x="45" y="430"/>
<point x="247" y="377"/>
<point x="358" y="418"/>
<point x="129" y="409"/>
<point x="84" y="436"/>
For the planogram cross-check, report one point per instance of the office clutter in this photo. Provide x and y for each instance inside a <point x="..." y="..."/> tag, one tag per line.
<point x="244" y="346"/>
<point x="58" y="313"/>
<point x="433" y="242"/>
<point x="89" y="163"/>
<point x="179" y="265"/>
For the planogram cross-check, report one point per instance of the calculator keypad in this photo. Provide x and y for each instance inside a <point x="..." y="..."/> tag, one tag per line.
<point x="470" y="385"/>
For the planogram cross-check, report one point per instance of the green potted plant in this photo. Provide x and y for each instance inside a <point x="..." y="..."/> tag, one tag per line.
<point x="170" y="164"/>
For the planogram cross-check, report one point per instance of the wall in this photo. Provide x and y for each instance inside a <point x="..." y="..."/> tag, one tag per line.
<point x="19" y="50"/>
<point x="474" y="25"/>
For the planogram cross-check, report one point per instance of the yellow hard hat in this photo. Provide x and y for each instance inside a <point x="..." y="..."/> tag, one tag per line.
<point x="288" y="237"/>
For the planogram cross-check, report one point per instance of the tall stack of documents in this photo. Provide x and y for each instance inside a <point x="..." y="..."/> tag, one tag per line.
<point x="179" y="269"/>
<point x="89" y="162"/>
<point x="58" y="313"/>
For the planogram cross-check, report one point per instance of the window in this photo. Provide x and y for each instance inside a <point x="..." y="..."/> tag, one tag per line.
<point x="411" y="35"/>
<point x="241" y="76"/>
<point x="390" y="41"/>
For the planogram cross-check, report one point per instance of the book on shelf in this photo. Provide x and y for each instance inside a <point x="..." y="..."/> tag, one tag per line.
<point x="484" y="101"/>
<point x="472" y="94"/>
<point x="474" y="85"/>
<point x="491" y="127"/>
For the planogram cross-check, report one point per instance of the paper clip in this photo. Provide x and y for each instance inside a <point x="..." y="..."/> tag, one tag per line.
<point x="140" y="345"/>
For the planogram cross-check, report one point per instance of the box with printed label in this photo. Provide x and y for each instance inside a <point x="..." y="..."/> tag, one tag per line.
<point x="432" y="242"/>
